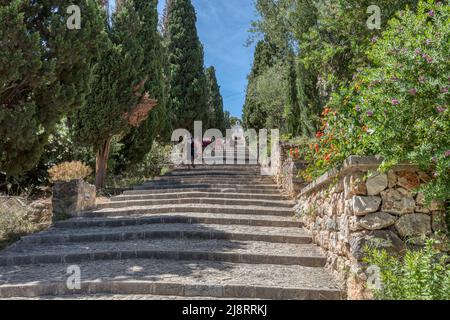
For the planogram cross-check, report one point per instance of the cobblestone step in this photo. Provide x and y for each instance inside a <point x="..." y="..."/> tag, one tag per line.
<point x="168" y="278"/>
<point x="253" y="252"/>
<point x="171" y="231"/>
<point x="203" y="189"/>
<point x="204" y="218"/>
<point x="224" y="167"/>
<point x="206" y="208"/>
<point x="194" y="194"/>
<point x="249" y="187"/>
<point x="188" y="200"/>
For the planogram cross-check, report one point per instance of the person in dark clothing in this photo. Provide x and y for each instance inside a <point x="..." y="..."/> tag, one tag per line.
<point x="192" y="153"/>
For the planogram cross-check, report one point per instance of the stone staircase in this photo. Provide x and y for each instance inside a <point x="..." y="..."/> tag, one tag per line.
<point x="221" y="231"/>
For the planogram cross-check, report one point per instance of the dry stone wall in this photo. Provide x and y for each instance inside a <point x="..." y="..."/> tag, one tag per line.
<point x="358" y="206"/>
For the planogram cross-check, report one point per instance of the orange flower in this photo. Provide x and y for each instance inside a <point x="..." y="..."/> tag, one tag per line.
<point x="317" y="147"/>
<point x="328" y="157"/>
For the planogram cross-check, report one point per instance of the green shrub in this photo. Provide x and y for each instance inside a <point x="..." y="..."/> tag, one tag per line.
<point x="397" y="107"/>
<point x="420" y="275"/>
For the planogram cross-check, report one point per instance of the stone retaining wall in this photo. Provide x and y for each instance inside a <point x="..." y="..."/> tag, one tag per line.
<point x="347" y="209"/>
<point x="287" y="172"/>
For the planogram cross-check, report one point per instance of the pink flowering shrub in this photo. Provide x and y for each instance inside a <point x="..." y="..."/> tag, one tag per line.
<point x="398" y="106"/>
<point x="404" y="98"/>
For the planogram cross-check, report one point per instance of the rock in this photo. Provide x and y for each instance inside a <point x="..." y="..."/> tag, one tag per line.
<point x="424" y="177"/>
<point x="354" y="185"/>
<point x="421" y="204"/>
<point x="437" y="205"/>
<point x="408" y="180"/>
<point x="382" y="239"/>
<point x="413" y="225"/>
<point x="364" y="205"/>
<point x="71" y="199"/>
<point x="397" y="201"/>
<point x="392" y="179"/>
<point x="376" y="221"/>
<point x="438" y="221"/>
<point x="376" y="183"/>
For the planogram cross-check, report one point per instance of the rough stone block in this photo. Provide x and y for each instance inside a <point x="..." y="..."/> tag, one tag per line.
<point x="376" y="221"/>
<point x="71" y="199"/>
<point x="408" y="180"/>
<point x="376" y="183"/>
<point x="414" y="225"/>
<point x="397" y="201"/>
<point x="364" y="205"/>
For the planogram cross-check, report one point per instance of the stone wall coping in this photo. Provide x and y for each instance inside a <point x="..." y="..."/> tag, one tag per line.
<point x="352" y="164"/>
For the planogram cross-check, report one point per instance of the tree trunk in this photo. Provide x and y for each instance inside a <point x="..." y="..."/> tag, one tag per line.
<point x="101" y="165"/>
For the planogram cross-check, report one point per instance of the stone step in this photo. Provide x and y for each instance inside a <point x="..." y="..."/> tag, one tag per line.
<point x="213" y="185"/>
<point x="204" y="218"/>
<point x="180" y="189"/>
<point x="206" y="208"/>
<point x="252" y="252"/>
<point x="172" y="278"/>
<point x="171" y="231"/>
<point x="188" y="200"/>
<point x="216" y="173"/>
<point x="253" y="182"/>
<point x="194" y="194"/>
<point x="220" y="167"/>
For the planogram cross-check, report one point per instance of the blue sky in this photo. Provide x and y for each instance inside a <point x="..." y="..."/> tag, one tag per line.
<point x="223" y="26"/>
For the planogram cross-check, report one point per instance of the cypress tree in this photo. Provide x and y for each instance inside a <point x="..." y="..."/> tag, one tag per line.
<point x="138" y="142"/>
<point x="45" y="72"/>
<point x="215" y="101"/>
<point x="117" y="100"/>
<point x="187" y="82"/>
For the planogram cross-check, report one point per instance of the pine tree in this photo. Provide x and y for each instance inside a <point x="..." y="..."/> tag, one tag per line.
<point x="187" y="82"/>
<point x="45" y="72"/>
<point x="117" y="100"/>
<point x="138" y="142"/>
<point x="215" y="101"/>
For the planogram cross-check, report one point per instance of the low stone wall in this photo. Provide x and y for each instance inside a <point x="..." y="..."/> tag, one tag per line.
<point x="347" y="209"/>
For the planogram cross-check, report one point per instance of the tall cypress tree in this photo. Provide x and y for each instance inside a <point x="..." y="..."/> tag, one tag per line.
<point x="45" y="72"/>
<point x="215" y="101"/>
<point x="187" y="82"/>
<point x="138" y="142"/>
<point x="118" y="91"/>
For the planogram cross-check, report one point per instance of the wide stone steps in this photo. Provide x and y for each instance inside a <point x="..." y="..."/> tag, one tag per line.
<point x="220" y="231"/>
<point x="202" y="189"/>
<point x="194" y="194"/>
<point x="256" y="252"/>
<point x="186" y="217"/>
<point x="187" y="207"/>
<point x="187" y="200"/>
<point x="171" y="231"/>
<point x="182" y="278"/>
<point x="250" y="187"/>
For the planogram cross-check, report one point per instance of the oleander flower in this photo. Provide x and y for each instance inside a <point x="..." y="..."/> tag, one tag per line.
<point x="395" y="102"/>
<point x="413" y="91"/>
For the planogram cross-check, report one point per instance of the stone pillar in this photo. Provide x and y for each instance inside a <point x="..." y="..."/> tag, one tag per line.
<point x="72" y="199"/>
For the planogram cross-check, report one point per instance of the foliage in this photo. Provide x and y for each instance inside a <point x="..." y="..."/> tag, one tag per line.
<point x="404" y="95"/>
<point x="187" y="82"/>
<point x="118" y="88"/>
<point x="138" y="141"/>
<point x="422" y="274"/>
<point x="67" y="171"/>
<point x="215" y="101"/>
<point x="15" y="220"/>
<point x="45" y="71"/>
<point x="398" y="106"/>
<point x="153" y="165"/>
